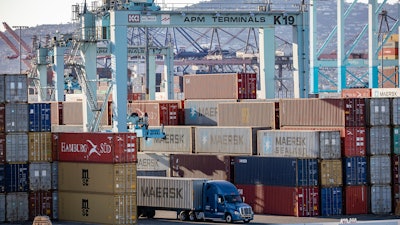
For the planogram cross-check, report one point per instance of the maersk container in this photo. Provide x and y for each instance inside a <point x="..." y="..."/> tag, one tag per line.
<point x="17" y="177"/>
<point x="149" y="161"/>
<point x="291" y="172"/>
<point x="227" y="140"/>
<point x="16" y="88"/>
<point x="2" y="208"/>
<point x="331" y="172"/>
<point x="378" y="111"/>
<point x="39" y="117"/>
<point x="355" y="200"/>
<point x="177" y="139"/>
<point x="16" y="117"/>
<point x="380" y="169"/>
<point x="40" y="177"/>
<point x="379" y="140"/>
<point x="213" y="167"/>
<point x="183" y="193"/>
<point x="203" y="112"/>
<point x="40" y="204"/>
<point x="17" y="147"/>
<point x="355" y="170"/>
<point x="98" y="208"/>
<point x="381" y="199"/>
<point x="40" y="147"/>
<point x="17" y="207"/>
<point x="331" y="201"/>
<point x="97" y="177"/>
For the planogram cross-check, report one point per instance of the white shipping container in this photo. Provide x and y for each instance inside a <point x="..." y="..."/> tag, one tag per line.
<point x="385" y="92"/>
<point x="379" y="140"/>
<point x="380" y="169"/>
<point x="203" y="112"/>
<point x="40" y="178"/>
<point x="381" y="199"/>
<point x="378" y="111"/>
<point x="178" y="139"/>
<point x="148" y="161"/>
<point x="17" y="147"/>
<point x="17" y="209"/>
<point x="226" y="140"/>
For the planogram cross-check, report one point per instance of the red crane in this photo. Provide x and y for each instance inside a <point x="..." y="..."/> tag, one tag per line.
<point x="17" y="38"/>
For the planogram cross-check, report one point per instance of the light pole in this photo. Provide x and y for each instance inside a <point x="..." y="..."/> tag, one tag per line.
<point x="20" y="39"/>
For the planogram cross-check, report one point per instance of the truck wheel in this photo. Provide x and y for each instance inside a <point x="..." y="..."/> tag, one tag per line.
<point x="150" y="214"/>
<point x="228" y="218"/>
<point x="246" y="221"/>
<point x="183" y="216"/>
<point x="192" y="216"/>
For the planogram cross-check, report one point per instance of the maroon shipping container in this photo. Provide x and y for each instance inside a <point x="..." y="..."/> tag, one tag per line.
<point x="40" y="204"/>
<point x="396" y="197"/>
<point x="159" y="113"/>
<point x="280" y="200"/>
<point x="2" y="147"/>
<point x="355" y="200"/>
<point x="96" y="147"/>
<point x="136" y="96"/>
<point x="396" y="169"/>
<point x="2" y="117"/>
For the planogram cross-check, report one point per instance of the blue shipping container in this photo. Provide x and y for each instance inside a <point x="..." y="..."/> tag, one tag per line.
<point x="39" y="117"/>
<point x="331" y="201"/>
<point x="355" y="170"/>
<point x="289" y="172"/>
<point x="2" y="178"/>
<point x="17" y="178"/>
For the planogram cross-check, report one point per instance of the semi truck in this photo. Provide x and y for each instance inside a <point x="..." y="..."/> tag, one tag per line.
<point x="192" y="198"/>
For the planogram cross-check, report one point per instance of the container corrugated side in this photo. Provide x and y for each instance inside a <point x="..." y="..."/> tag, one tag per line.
<point x="330" y="145"/>
<point x="40" y="204"/>
<point x="380" y="169"/>
<point x="356" y="200"/>
<point x="16" y="117"/>
<point x="379" y="140"/>
<point x="396" y="140"/>
<point x="248" y="114"/>
<point x="17" y="147"/>
<point x="331" y="201"/>
<point x="203" y="112"/>
<point x="115" y="209"/>
<point x="2" y="117"/>
<point x="2" y="177"/>
<point x="355" y="112"/>
<point x="40" y="176"/>
<point x="97" y="177"/>
<point x="56" y="109"/>
<point x="54" y="175"/>
<point x="2" y="147"/>
<point x="395" y="108"/>
<point x="331" y="173"/>
<point x="40" y="147"/>
<point x="215" y="167"/>
<point x="2" y="92"/>
<point x="71" y="113"/>
<point x="183" y="193"/>
<point x="381" y="199"/>
<point x="17" y="177"/>
<point x="39" y="117"/>
<point x="152" y="161"/>
<point x="177" y="139"/>
<point x="378" y="112"/>
<point x="55" y="205"/>
<point x="17" y="209"/>
<point x="2" y="208"/>
<point x="16" y="88"/>
<point x="227" y="140"/>
<point x="355" y="170"/>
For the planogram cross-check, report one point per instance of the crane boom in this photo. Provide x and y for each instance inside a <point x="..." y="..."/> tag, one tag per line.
<point x="9" y="43"/>
<point x="17" y="38"/>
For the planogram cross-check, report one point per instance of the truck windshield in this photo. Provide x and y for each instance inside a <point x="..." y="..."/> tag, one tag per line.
<point x="233" y="198"/>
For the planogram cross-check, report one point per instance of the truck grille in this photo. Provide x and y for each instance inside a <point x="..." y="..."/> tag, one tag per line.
<point x="245" y="211"/>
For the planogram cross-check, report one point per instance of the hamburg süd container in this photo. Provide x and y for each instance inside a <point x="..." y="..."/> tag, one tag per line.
<point x="331" y="201"/>
<point x="87" y="207"/>
<point x="177" y="139"/>
<point x="380" y="169"/>
<point x="153" y="161"/>
<point x="16" y="88"/>
<point x="40" y="177"/>
<point x="203" y="112"/>
<point x="331" y="172"/>
<point x="39" y="117"/>
<point x="159" y="113"/>
<point x="96" y="147"/>
<point x="378" y="111"/>
<point x="379" y="140"/>
<point x="17" y="147"/>
<point x="355" y="170"/>
<point x="17" y="209"/>
<point x="17" y="177"/>
<point x="40" y="204"/>
<point x="40" y="147"/>
<point x="381" y="199"/>
<point x="97" y="177"/>
<point x="355" y="200"/>
<point x="16" y="117"/>
<point x="227" y="140"/>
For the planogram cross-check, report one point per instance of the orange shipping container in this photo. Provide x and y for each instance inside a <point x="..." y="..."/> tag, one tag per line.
<point x="356" y="93"/>
<point x="40" y="146"/>
<point x="72" y="114"/>
<point x="159" y="113"/>
<point x="331" y="173"/>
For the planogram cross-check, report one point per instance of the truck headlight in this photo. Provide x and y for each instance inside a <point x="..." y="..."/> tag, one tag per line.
<point x="237" y="212"/>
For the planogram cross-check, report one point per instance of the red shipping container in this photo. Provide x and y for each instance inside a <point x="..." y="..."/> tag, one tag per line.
<point x="247" y="85"/>
<point x="355" y="112"/>
<point x="159" y="113"/>
<point x="355" y="200"/>
<point x="279" y="200"/>
<point x="40" y="204"/>
<point x="2" y="147"/>
<point x="136" y="96"/>
<point x="96" y="147"/>
<point x="356" y="93"/>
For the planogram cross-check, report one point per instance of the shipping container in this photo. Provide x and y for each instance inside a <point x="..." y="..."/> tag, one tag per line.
<point x="55" y="205"/>
<point x="40" y="147"/>
<point x="203" y="112"/>
<point x="72" y="113"/>
<point x="2" y="117"/>
<point x="381" y="199"/>
<point x="265" y="114"/>
<point x="379" y="140"/>
<point x="355" y="170"/>
<point x="56" y="110"/>
<point x="227" y="140"/>
<point x="17" y="207"/>
<point x="331" y="201"/>
<point x="54" y="175"/>
<point x="17" y="147"/>
<point x="292" y="172"/>
<point x="378" y="111"/>
<point x="2" y="147"/>
<point x="115" y="209"/>
<point x="96" y="147"/>
<point x="40" y="204"/>
<point x="17" y="177"/>
<point x="2" y="94"/>
<point x="380" y="169"/>
<point x="213" y="167"/>
<point x="355" y="200"/>
<point x="280" y="200"/>
<point x="159" y="113"/>
<point x="396" y="140"/>
<point x="97" y="177"/>
<point x="16" y="117"/>
<point x="220" y="86"/>
<point x="177" y="139"/>
<point x="2" y="208"/>
<point x="39" y="117"/>
<point x="149" y="161"/>
<point x="2" y="178"/>
<point x="40" y="177"/>
<point x="16" y="88"/>
<point x="331" y="172"/>
<point x="395" y="108"/>
<point x="356" y="93"/>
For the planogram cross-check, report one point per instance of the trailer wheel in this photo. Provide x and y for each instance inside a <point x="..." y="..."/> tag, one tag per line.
<point x="183" y="216"/>
<point x="192" y="216"/>
<point x="150" y="213"/>
<point x="228" y="218"/>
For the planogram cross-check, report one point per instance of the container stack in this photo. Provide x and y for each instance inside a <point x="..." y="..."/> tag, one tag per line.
<point x="395" y="122"/>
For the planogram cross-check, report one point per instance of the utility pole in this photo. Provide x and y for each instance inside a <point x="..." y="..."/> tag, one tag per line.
<point x="20" y="40"/>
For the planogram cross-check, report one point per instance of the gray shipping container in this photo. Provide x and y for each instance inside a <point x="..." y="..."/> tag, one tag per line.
<point x="381" y="199"/>
<point x="395" y="116"/>
<point x="380" y="169"/>
<point x="379" y="140"/>
<point x="190" y="190"/>
<point x="16" y="117"/>
<point x="378" y="111"/>
<point x="203" y="112"/>
<point x="227" y="140"/>
<point x="17" y="209"/>
<point x="178" y="139"/>
<point x="54" y="175"/>
<point x="16" y="88"/>
<point x="2" y="93"/>
<point x="17" y="149"/>
<point x="40" y="178"/>
<point x="55" y="205"/>
<point x="330" y="145"/>
<point x="148" y="161"/>
<point x="2" y="208"/>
